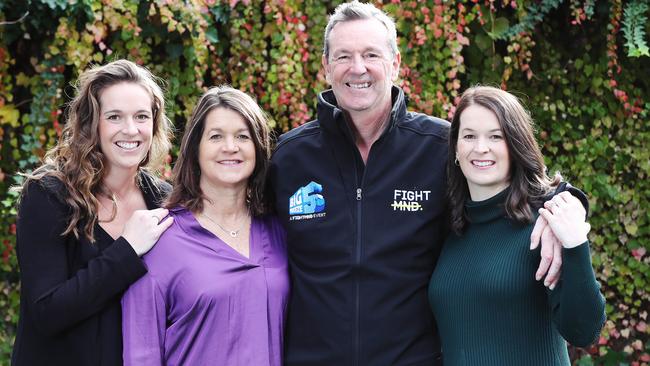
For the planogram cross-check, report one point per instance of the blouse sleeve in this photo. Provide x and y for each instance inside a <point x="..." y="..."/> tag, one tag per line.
<point x="57" y="297"/>
<point x="143" y="323"/>
<point x="577" y="304"/>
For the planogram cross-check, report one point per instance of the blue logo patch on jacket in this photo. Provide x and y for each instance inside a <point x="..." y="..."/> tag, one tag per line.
<point x="307" y="200"/>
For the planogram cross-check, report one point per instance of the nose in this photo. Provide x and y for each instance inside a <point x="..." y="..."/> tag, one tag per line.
<point x="230" y="144"/>
<point x="358" y="64"/>
<point x="130" y="127"/>
<point x="481" y="145"/>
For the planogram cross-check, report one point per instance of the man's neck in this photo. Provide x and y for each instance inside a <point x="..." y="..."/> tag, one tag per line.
<point x="367" y="128"/>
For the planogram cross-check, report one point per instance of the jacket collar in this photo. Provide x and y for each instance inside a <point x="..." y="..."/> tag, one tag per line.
<point x="331" y="118"/>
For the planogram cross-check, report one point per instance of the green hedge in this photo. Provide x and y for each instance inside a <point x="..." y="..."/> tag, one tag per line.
<point x="580" y="65"/>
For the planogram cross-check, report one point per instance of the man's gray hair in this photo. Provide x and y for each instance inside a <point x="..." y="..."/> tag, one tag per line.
<point x="356" y="10"/>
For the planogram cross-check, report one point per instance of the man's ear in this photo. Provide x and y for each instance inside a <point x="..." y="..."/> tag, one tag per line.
<point x="397" y="60"/>
<point x="326" y="68"/>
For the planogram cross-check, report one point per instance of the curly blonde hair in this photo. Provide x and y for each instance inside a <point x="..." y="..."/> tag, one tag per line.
<point x="77" y="160"/>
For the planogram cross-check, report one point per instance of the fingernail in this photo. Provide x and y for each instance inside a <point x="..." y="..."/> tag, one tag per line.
<point x="552" y="287"/>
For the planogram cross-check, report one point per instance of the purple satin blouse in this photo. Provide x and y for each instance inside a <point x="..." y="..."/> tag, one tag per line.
<point x="203" y="303"/>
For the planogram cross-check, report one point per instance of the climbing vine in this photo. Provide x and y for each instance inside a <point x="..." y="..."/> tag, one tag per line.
<point x="579" y="65"/>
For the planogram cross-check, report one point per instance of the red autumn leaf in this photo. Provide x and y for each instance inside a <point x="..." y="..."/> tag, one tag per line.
<point x="638" y="253"/>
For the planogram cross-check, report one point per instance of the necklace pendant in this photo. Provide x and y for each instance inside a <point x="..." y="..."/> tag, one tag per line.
<point x="234" y="233"/>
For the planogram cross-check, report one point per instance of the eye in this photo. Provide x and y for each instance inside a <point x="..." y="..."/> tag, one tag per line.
<point x="496" y="137"/>
<point x="112" y="117"/>
<point x="142" y="117"/>
<point x="215" y="136"/>
<point x="469" y="137"/>
<point x="243" y="136"/>
<point x="341" y="58"/>
<point x="372" y="55"/>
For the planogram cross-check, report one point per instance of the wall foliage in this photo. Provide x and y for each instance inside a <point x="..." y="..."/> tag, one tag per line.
<point x="580" y="65"/>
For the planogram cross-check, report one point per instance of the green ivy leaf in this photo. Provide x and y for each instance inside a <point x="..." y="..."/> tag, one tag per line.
<point x="212" y="35"/>
<point x="9" y="115"/>
<point x="483" y="42"/>
<point x="631" y="228"/>
<point x="174" y="50"/>
<point x="54" y="4"/>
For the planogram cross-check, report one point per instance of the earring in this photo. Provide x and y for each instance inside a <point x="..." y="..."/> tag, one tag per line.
<point x="456" y="162"/>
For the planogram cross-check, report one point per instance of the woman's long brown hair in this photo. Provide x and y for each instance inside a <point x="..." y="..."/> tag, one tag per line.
<point x="77" y="160"/>
<point x="529" y="181"/>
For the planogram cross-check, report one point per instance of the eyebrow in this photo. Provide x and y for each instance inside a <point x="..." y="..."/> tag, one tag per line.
<point x="221" y="129"/>
<point x="492" y="130"/>
<point x="120" y="111"/>
<point x="345" y="50"/>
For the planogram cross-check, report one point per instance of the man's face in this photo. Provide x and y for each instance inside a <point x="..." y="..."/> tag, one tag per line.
<point x="361" y="66"/>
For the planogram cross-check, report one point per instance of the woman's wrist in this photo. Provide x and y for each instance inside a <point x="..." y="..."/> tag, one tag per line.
<point x="574" y="242"/>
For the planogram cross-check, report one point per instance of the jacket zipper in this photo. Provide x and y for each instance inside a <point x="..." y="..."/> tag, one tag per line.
<point x="359" y="197"/>
<point x="357" y="290"/>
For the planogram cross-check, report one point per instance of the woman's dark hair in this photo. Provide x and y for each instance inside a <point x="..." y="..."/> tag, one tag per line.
<point x="187" y="173"/>
<point x="529" y="181"/>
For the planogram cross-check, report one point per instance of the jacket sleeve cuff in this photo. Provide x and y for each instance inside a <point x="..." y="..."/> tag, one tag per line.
<point x="581" y="196"/>
<point x="133" y="267"/>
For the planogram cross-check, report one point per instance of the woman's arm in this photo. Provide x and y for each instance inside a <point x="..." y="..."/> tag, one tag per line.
<point x="143" y="323"/>
<point x="578" y="306"/>
<point x="57" y="298"/>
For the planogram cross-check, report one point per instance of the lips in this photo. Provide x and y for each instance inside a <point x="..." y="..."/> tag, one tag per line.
<point x="230" y="162"/>
<point x="128" y="145"/>
<point x="483" y="163"/>
<point x="358" y="85"/>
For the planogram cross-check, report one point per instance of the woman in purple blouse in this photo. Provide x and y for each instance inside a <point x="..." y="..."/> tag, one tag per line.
<point x="217" y="283"/>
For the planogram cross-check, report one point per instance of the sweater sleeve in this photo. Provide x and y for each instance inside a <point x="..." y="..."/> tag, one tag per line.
<point x="577" y="303"/>
<point x="57" y="297"/>
<point x="143" y="323"/>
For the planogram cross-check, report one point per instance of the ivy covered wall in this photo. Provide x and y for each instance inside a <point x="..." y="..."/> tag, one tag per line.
<point x="581" y="66"/>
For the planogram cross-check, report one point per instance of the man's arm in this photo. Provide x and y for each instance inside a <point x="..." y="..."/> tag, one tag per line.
<point x="551" y="250"/>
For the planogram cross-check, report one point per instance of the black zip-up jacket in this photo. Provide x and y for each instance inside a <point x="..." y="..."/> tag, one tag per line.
<point x="362" y="240"/>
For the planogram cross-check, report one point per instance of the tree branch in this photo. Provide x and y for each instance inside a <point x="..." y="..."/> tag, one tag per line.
<point x="17" y="20"/>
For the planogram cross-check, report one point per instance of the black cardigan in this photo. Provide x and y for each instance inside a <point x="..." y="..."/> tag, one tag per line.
<point x="70" y="310"/>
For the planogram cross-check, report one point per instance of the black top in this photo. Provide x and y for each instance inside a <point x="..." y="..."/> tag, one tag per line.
<point x="362" y="238"/>
<point x="70" y="289"/>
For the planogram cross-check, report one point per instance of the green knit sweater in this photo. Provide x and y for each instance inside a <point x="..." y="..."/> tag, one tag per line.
<point x="489" y="308"/>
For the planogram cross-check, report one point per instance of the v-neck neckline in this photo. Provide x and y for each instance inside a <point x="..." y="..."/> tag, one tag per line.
<point x="252" y="238"/>
<point x="148" y="202"/>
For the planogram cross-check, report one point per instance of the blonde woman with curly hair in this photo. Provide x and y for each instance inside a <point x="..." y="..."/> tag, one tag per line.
<point x="87" y="215"/>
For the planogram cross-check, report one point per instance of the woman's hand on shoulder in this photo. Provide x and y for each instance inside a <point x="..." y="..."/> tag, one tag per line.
<point x="145" y="227"/>
<point x="565" y="215"/>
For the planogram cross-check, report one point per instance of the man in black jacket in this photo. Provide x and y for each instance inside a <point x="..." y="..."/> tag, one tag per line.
<point x="361" y="193"/>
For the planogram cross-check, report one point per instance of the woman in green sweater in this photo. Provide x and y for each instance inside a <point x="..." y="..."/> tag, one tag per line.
<point x="489" y="308"/>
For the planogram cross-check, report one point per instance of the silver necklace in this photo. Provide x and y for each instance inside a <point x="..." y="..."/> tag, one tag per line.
<point x="232" y="233"/>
